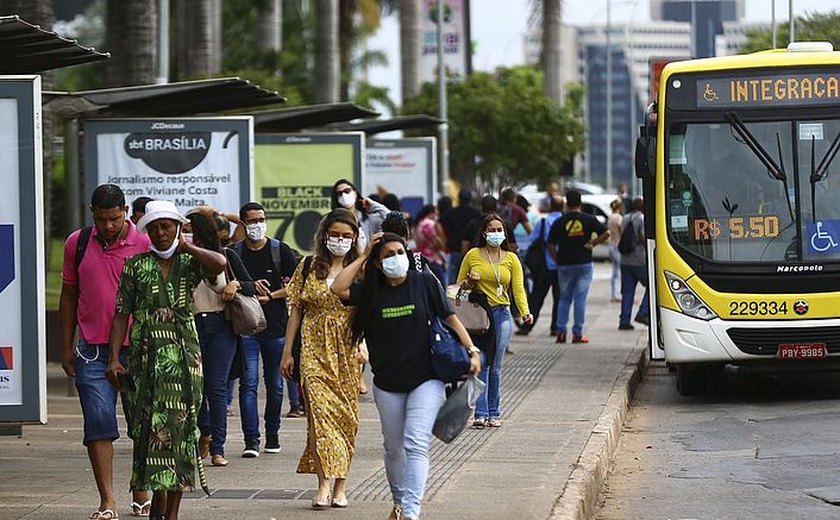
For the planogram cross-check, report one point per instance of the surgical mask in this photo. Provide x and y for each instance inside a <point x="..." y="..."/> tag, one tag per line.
<point x="395" y="266"/>
<point x="256" y="231"/>
<point x="339" y="246"/>
<point x="495" y="238"/>
<point x="167" y="254"/>
<point x="347" y="200"/>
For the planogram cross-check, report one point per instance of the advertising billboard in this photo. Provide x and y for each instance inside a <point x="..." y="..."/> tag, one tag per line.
<point x="190" y="161"/>
<point x="456" y="42"/>
<point x="405" y="167"/>
<point x="23" y="383"/>
<point x="294" y="175"/>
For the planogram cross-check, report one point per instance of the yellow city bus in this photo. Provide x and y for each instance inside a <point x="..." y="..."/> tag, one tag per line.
<point x="742" y="197"/>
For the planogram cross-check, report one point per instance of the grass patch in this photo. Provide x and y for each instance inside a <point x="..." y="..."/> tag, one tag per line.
<point x="54" y="264"/>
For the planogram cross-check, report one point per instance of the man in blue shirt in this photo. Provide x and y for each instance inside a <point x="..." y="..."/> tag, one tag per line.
<point x="541" y="285"/>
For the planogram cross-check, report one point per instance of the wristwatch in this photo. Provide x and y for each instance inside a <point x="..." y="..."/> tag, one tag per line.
<point x="473" y="350"/>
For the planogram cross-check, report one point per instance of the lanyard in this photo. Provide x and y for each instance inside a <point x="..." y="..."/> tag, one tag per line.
<point x="497" y="272"/>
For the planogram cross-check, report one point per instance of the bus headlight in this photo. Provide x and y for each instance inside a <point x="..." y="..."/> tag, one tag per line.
<point x="688" y="301"/>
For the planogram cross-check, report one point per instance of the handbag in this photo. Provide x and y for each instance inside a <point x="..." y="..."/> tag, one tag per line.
<point x="457" y="410"/>
<point x="535" y="255"/>
<point x="245" y="312"/>
<point x="471" y="314"/>
<point x="450" y="360"/>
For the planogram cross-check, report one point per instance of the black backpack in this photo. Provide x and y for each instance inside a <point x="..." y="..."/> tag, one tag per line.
<point x="628" y="241"/>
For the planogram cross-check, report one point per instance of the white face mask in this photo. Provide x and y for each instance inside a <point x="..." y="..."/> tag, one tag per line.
<point x="339" y="246"/>
<point x="171" y="249"/>
<point x="347" y="200"/>
<point x="256" y="231"/>
<point x="395" y="266"/>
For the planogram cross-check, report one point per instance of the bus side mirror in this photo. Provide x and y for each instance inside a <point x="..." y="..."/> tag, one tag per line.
<point x="645" y="156"/>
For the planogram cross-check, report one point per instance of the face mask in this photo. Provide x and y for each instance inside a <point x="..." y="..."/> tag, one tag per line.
<point x="347" y="200"/>
<point x="496" y="238"/>
<point x="256" y="231"/>
<point x="188" y="237"/>
<point x="395" y="266"/>
<point x="339" y="246"/>
<point x="170" y="250"/>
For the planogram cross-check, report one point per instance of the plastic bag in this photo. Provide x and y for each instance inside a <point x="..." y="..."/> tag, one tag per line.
<point x="456" y="412"/>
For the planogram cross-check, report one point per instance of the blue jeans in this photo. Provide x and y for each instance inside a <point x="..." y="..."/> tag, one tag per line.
<point x="630" y="276"/>
<point x="455" y="258"/>
<point x="615" y="274"/>
<point x="574" y="281"/>
<point x="407" y="421"/>
<point x="218" y="346"/>
<point x="488" y="401"/>
<point x="96" y="394"/>
<point x="294" y="393"/>
<point x="271" y="350"/>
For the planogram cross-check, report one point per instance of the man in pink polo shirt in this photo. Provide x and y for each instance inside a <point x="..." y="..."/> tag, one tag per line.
<point x="88" y="297"/>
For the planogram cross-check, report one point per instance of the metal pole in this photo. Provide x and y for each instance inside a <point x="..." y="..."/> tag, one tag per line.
<point x="773" y="20"/>
<point x="163" y="43"/>
<point x="443" y="128"/>
<point x="693" y="29"/>
<point x="608" y="181"/>
<point x="790" y="14"/>
<point x="72" y="197"/>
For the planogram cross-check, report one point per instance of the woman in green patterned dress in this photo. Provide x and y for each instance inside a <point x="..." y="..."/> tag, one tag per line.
<point x="163" y="378"/>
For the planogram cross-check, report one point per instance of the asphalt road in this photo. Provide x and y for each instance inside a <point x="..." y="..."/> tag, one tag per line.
<point x="758" y="446"/>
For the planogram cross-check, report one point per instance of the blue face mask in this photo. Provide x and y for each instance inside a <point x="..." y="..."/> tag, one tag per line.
<point x="495" y="238"/>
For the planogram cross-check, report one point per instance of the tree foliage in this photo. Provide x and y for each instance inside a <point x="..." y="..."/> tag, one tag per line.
<point x="811" y="27"/>
<point x="503" y="130"/>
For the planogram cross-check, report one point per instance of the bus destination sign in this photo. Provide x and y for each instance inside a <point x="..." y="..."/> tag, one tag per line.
<point x="771" y="90"/>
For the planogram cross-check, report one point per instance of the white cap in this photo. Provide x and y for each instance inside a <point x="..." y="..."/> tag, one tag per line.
<point x="158" y="209"/>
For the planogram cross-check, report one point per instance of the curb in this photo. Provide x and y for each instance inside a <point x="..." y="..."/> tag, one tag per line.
<point x="579" y="498"/>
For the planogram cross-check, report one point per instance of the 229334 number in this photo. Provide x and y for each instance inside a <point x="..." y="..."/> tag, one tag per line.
<point x="764" y="308"/>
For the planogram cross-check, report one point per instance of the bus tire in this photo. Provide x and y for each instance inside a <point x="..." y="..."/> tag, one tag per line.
<point x="690" y="379"/>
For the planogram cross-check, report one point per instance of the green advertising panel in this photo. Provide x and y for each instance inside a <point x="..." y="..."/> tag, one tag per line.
<point x="293" y="178"/>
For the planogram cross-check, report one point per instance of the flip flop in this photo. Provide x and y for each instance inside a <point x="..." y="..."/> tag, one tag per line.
<point x="141" y="509"/>
<point x="105" y="514"/>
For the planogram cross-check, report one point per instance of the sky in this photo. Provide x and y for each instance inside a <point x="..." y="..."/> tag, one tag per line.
<point x="498" y="27"/>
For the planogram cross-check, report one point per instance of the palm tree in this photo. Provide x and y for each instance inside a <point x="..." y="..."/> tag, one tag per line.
<point x="199" y="38"/>
<point x="270" y="26"/>
<point x="131" y="32"/>
<point x="410" y="45"/>
<point x="326" y="51"/>
<point x="551" y="26"/>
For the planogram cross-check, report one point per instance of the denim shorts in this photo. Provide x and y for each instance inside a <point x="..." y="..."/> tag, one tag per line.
<point x="96" y="395"/>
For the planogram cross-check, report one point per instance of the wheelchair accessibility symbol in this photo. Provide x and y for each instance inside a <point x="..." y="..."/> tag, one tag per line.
<point x="709" y="93"/>
<point x="822" y="241"/>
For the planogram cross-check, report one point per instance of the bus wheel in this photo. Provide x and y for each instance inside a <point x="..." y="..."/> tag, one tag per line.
<point x="690" y="380"/>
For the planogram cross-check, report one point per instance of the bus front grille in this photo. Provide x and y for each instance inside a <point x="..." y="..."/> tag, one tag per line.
<point x="765" y="342"/>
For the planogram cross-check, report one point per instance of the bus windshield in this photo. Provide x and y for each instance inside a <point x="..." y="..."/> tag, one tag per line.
<point x="734" y="190"/>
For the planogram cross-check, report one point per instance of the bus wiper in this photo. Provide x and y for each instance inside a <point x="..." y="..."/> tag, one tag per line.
<point x="774" y="170"/>
<point x="820" y="173"/>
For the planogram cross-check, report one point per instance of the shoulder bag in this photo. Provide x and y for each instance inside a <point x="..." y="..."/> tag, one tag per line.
<point x="535" y="255"/>
<point x="245" y="312"/>
<point x="450" y="359"/>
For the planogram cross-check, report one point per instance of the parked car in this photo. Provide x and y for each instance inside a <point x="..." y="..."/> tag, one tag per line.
<point x="599" y="207"/>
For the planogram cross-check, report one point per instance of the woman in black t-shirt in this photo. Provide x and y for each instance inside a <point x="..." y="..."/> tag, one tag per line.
<point x="393" y="303"/>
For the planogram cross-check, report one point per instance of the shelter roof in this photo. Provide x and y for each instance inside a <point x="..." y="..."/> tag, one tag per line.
<point x="311" y="116"/>
<point x="376" y="126"/>
<point x="183" y="98"/>
<point x="27" y="49"/>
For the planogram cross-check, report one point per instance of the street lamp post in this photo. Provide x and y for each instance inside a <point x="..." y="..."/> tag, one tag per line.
<point x="608" y="180"/>
<point x="790" y="15"/>
<point x="443" y="129"/>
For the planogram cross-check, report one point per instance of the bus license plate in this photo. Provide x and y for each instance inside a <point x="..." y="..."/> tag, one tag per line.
<point x="801" y="351"/>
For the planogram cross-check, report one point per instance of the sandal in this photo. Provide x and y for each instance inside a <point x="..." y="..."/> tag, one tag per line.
<point x="143" y="509"/>
<point x="104" y="514"/>
<point x="479" y="423"/>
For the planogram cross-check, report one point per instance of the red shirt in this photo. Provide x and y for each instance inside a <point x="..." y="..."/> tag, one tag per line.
<point x="98" y="278"/>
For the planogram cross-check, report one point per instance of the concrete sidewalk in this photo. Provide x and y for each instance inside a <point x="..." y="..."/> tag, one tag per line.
<point x="563" y="407"/>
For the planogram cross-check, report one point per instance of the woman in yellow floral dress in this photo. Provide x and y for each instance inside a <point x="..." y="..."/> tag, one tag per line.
<point x="329" y="365"/>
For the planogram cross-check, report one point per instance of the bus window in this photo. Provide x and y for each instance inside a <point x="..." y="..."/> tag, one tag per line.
<point x="817" y="143"/>
<point x="723" y="205"/>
